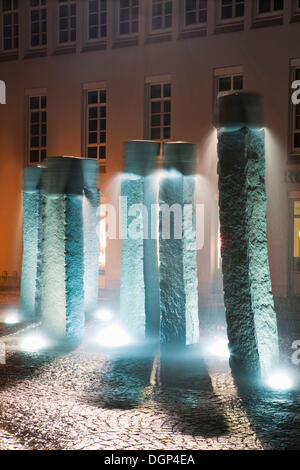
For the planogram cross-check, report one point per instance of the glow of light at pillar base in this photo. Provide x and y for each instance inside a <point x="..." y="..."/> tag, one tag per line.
<point x="280" y="381"/>
<point x="218" y="347"/>
<point x="33" y="342"/>
<point x="12" y="317"/>
<point x="113" y="336"/>
<point x="103" y="315"/>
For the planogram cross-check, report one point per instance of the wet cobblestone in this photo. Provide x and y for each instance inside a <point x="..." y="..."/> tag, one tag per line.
<point x="87" y="400"/>
<point x="90" y="399"/>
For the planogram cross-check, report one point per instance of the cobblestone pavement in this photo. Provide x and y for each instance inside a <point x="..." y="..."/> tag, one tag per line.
<point x="9" y="442"/>
<point x="89" y="399"/>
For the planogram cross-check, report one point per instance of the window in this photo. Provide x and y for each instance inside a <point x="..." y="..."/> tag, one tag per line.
<point x="227" y="80"/>
<point x="97" y="19"/>
<point x="231" y="9"/>
<point x="159" y="114"/>
<point x="128" y="17"/>
<point x="296" y="118"/>
<point x="67" y="21"/>
<point x="161" y="14"/>
<point x="266" y="7"/>
<point x="229" y="84"/>
<point x="96" y="107"/>
<point x="195" y="12"/>
<point x="38" y="23"/>
<point x="37" y="128"/>
<point x="10" y="25"/>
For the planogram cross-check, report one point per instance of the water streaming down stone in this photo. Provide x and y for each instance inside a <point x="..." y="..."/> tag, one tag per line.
<point x="179" y="322"/>
<point x="31" y="259"/>
<point x="139" y="292"/>
<point x="91" y="218"/>
<point x="251" y="319"/>
<point x="63" y="262"/>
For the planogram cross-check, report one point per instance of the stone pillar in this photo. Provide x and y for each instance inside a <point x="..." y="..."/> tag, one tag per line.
<point x="30" y="279"/>
<point x="251" y="319"/>
<point x="62" y="302"/>
<point x="139" y="294"/>
<point x="179" y="323"/>
<point x="91" y="203"/>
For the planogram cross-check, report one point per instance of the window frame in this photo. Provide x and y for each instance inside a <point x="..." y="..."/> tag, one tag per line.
<point x="90" y="87"/>
<point x="296" y="8"/>
<point x="28" y="95"/>
<point x="272" y="13"/>
<point x="233" y="19"/>
<point x="40" y="8"/>
<point x="12" y="11"/>
<point x="130" y="34"/>
<point x="150" y="81"/>
<point x="69" y="3"/>
<point x="98" y="39"/>
<point x="163" y="29"/>
<point x="225" y="72"/>
<point x="197" y="25"/>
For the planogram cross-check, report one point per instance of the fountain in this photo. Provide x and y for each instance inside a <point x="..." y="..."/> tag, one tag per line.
<point x="251" y="319"/>
<point x="30" y="280"/>
<point x="179" y="324"/>
<point x="64" y="260"/>
<point x="91" y="203"/>
<point x="139" y="293"/>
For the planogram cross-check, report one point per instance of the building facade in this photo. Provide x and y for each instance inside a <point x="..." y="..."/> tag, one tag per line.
<point x="83" y="76"/>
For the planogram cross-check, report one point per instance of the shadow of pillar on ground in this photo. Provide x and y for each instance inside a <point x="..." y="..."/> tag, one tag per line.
<point x="185" y="392"/>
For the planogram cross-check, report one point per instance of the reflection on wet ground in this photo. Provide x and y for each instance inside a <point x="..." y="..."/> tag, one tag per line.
<point x="138" y="398"/>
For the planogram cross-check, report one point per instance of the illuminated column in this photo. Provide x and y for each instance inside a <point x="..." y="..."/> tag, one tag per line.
<point x="62" y="302"/>
<point x="30" y="279"/>
<point x="251" y="319"/>
<point x="91" y="203"/>
<point x="179" y="323"/>
<point x="139" y="294"/>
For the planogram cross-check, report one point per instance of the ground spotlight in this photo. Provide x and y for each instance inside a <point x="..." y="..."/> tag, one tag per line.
<point x="104" y="315"/>
<point x="12" y="317"/>
<point x="279" y="381"/>
<point x="113" y="336"/>
<point x="219" y="348"/>
<point x="33" y="342"/>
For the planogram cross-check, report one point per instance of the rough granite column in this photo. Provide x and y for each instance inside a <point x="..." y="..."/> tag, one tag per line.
<point x="62" y="302"/>
<point x="179" y="324"/>
<point x="91" y="203"/>
<point x="139" y="294"/>
<point x="251" y="319"/>
<point x="31" y="260"/>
